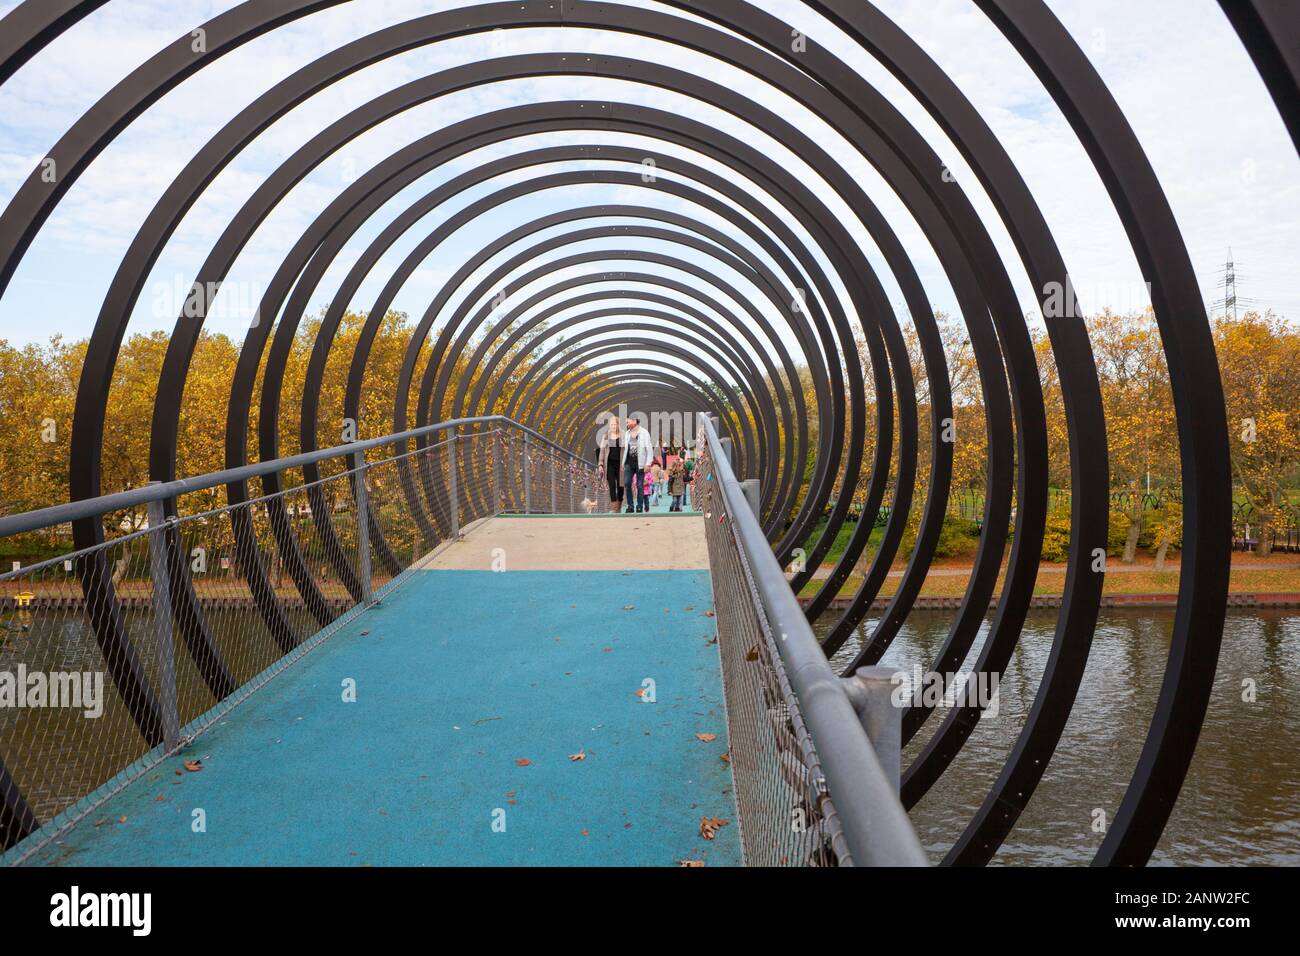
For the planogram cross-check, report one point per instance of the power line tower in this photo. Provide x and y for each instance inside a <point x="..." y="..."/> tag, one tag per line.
<point x="1228" y="276"/>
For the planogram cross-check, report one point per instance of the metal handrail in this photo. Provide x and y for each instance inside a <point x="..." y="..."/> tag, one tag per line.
<point x="159" y="491"/>
<point x="876" y="827"/>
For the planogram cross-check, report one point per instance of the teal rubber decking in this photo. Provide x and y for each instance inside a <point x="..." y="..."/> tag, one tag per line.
<point x="461" y="677"/>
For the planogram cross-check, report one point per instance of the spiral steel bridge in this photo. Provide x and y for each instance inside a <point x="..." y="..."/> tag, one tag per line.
<point x="799" y="375"/>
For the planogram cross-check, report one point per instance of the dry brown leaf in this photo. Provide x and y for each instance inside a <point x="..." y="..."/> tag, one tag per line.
<point x="121" y="819"/>
<point x="726" y="758"/>
<point x="522" y="762"/>
<point x="709" y="826"/>
<point x="708" y="614"/>
<point x="193" y="766"/>
<point x="690" y="862"/>
<point x="580" y="755"/>
<point x="707" y="738"/>
<point x="640" y="691"/>
<point x="752" y="653"/>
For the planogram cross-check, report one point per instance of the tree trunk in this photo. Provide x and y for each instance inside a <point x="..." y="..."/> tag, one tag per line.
<point x="1131" y="544"/>
<point x="1162" y="550"/>
<point x="1263" y="543"/>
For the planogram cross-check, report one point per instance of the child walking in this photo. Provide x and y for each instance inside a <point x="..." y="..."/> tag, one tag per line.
<point x="677" y="484"/>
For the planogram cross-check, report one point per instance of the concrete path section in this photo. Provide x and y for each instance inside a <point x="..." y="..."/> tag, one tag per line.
<point x="643" y="542"/>
<point x="516" y="718"/>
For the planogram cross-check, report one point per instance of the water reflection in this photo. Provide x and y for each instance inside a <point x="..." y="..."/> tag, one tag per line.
<point x="1240" y="804"/>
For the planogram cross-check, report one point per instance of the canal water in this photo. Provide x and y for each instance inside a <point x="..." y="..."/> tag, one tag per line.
<point x="1240" y="804"/>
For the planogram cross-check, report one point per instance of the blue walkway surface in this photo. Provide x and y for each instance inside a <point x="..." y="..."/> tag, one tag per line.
<point x="473" y="690"/>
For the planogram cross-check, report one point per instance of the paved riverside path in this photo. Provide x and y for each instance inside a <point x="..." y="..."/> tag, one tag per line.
<point x="466" y="673"/>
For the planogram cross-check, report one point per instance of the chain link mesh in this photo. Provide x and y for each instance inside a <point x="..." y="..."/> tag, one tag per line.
<point x="786" y="816"/>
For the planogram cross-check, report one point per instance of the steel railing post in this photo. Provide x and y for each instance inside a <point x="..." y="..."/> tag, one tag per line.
<point x="452" y="470"/>
<point x="528" y="484"/>
<point x="871" y="690"/>
<point x="363" y="528"/>
<point x="750" y="487"/>
<point x="160" y="573"/>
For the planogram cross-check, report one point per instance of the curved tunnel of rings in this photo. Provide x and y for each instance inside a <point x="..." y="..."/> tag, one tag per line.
<point x="713" y="346"/>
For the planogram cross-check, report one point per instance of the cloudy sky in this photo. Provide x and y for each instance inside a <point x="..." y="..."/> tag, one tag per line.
<point x="1175" y="66"/>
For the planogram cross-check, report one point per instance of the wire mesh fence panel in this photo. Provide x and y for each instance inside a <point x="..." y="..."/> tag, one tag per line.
<point x="786" y="816"/>
<point x="511" y="470"/>
<point x="68" y="729"/>
<point x="482" y="480"/>
<point x="397" y="538"/>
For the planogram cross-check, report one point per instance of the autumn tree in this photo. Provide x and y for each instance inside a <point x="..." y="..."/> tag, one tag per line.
<point x="1259" y="360"/>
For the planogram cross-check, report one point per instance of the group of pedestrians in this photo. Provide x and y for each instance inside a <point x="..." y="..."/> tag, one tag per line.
<point x="637" y="474"/>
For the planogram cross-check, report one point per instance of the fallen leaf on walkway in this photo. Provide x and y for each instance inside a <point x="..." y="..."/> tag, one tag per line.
<point x="752" y="653"/>
<point x="629" y="607"/>
<point x="607" y="649"/>
<point x="194" y="766"/>
<point x="121" y="819"/>
<point x="585" y="833"/>
<point x="709" y="826"/>
<point x="726" y="758"/>
<point x="690" y="862"/>
<point x="709" y="614"/>
<point x="159" y="799"/>
<point x="580" y="755"/>
<point x="707" y="738"/>
<point x="100" y="823"/>
<point x="522" y="762"/>
<point x="364" y="633"/>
